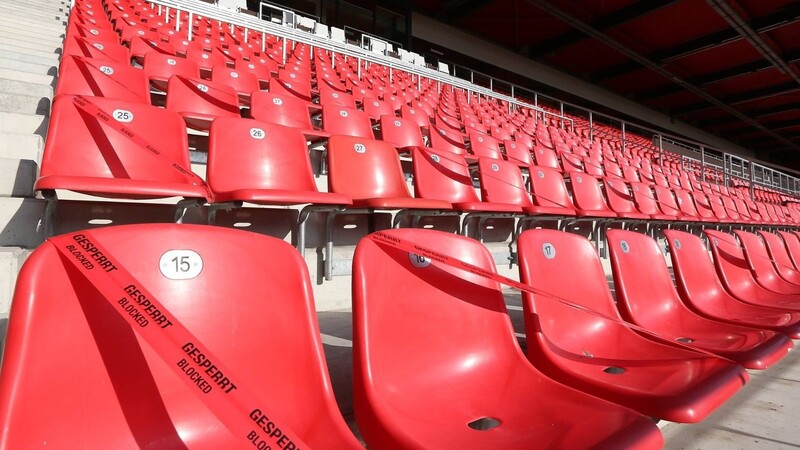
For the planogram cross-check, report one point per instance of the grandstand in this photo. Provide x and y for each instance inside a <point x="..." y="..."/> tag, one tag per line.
<point x="233" y="228"/>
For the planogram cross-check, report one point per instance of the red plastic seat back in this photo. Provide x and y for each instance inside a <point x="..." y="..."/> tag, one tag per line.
<point x="792" y="243"/>
<point x="401" y="132"/>
<point x="346" y="121"/>
<point x="194" y="97"/>
<point x="114" y="391"/>
<point x="703" y="205"/>
<point x="501" y="182"/>
<point x="546" y="157"/>
<point x="586" y="192"/>
<point x="375" y="108"/>
<point x="248" y="154"/>
<point x="518" y="152"/>
<point x="446" y="139"/>
<point x="86" y="76"/>
<point x="548" y="189"/>
<point x="242" y="81"/>
<point x="78" y="145"/>
<point x="284" y="110"/>
<point x="779" y="255"/>
<point x="364" y="168"/>
<point x="159" y="67"/>
<point x="442" y="176"/>
<point x="686" y="203"/>
<point x="416" y="115"/>
<point x="484" y="146"/>
<point x="547" y="261"/>
<point x="645" y="293"/>
<point x="334" y="97"/>
<point x="666" y="201"/>
<point x="644" y="199"/>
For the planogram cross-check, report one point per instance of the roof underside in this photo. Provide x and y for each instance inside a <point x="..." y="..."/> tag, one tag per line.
<point x="729" y="67"/>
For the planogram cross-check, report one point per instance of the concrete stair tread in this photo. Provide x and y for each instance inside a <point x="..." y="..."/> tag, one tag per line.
<point x="16" y="122"/>
<point x="55" y="30"/>
<point x="44" y="80"/>
<point x="22" y="66"/>
<point x="18" y="41"/>
<point x="26" y="104"/>
<point x="21" y="146"/>
<point x="25" y="88"/>
<point x="17" y="177"/>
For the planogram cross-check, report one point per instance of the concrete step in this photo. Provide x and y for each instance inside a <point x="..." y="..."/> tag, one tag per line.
<point x="19" y="222"/>
<point x="21" y="146"/>
<point x="25" y="54"/>
<point x="54" y="31"/>
<point x="17" y="177"/>
<point x="25" y="104"/>
<point x="32" y="36"/>
<point x="44" y="80"/>
<point x="33" y="28"/>
<point x="11" y="39"/>
<point x="31" y="32"/>
<point x="54" y="5"/>
<point x="34" y="4"/>
<point x="11" y="260"/>
<point x="15" y="122"/>
<point x="20" y="66"/>
<point x="25" y="88"/>
<point x="31" y="13"/>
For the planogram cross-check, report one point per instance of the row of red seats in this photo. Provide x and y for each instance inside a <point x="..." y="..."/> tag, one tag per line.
<point x="593" y="384"/>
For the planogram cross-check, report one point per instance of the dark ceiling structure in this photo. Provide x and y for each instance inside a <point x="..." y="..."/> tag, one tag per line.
<point x="730" y="67"/>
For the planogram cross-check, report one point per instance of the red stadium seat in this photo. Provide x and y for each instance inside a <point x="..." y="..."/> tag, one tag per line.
<point x="114" y="391"/>
<point x="792" y="242"/>
<point x="550" y="196"/>
<point x="93" y="77"/>
<point x="242" y="81"/>
<point x="737" y="278"/>
<point x="267" y="164"/>
<point x="484" y="146"/>
<point x="82" y="155"/>
<point x="446" y="139"/>
<point x="620" y="199"/>
<point x="647" y="297"/>
<point x="582" y="349"/>
<point x="701" y="290"/>
<point x="346" y="121"/>
<point x="375" y="108"/>
<point x="199" y="101"/>
<point x="159" y="68"/>
<point x="762" y="266"/>
<point x="286" y="110"/>
<point x="413" y="388"/>
<point x="588" y="196"/>
<point x="401" y="133"/>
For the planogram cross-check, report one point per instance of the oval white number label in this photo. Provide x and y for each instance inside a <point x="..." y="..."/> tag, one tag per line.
<point x="579" y="179"/>
<point x="335" y="95"/>
<point x="180" y="264"/>
<point x="257" y="133"/>
<point x="204" y="56"/>
<point x="141" y="32"/>
<point x="397" y="123"/>
<point x="98" y="46"/>
<point x="122" y="115"/>
<point x="360" y="148"/>
<point x="107" y="70"/>
<point x="435" y="158"/>
<point x="624" y="246"/>
<point x="202" y="87"/>
<point x="251" y="66"/>
<point x="548" y="250"/>
<point x="343" y="113"/>
<point x="540" y="173"/>
<point x="234" y="75"/>
<point x="171" y="62"/>
<point x="94" y="32"/>
<point x="277" y="101"/>
<point x="419" y="261"/>
<point x="677" y="244"/>
<point x="495" y="167"/>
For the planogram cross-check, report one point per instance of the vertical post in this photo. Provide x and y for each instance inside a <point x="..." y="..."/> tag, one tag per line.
<point x="283" y="52"/>
<point x="512" y="91"/>
<point x="390" y="74"/>
<point x="177" y="20"/>
<point x="491" y="84"/>
<point x="702" y="163"/>
<point x="591" y="127"/>
<point x="752" y="179"/>
<point x="535" y="99"/>
<point x="263" y="41"/>
<point x="190" y="27"/>
<point x="661" y="151"/>
<point x="246" y="31"/>
<point x="358" y="61"/>
<point x="623" y="137"/>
